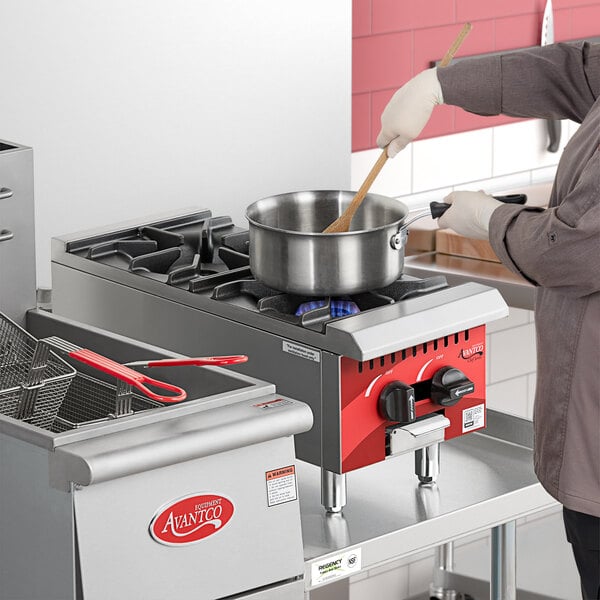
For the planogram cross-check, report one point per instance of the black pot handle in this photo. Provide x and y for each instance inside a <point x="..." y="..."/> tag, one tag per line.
<point x="439" y="208"/>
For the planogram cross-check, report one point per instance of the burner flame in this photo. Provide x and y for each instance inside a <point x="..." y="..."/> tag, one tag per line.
<point x="338" y="308"/>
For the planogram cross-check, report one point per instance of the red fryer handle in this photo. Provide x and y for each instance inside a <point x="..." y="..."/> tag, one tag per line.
<point x="217" y="361"/>
<point x="106" y="365"/>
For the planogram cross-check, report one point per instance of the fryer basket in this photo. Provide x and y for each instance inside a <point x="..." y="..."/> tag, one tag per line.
<point x="34" y="399"/>
<point x="90" y="400"/>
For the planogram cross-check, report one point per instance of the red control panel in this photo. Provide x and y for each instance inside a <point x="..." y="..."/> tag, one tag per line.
<point x="444" y="376"/>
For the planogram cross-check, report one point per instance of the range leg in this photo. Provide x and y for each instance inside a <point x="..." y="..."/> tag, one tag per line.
<point x="427" y="463"/>
<point x="333" y="491"/>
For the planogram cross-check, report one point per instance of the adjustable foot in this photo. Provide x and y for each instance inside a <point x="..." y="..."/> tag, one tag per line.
<point x="333" y="491"/>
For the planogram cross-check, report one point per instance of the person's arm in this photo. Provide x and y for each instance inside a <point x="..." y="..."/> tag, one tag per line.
<point x="557" y="81"/>
<point x="558" y="247"/>
<point x="560" y="81"/>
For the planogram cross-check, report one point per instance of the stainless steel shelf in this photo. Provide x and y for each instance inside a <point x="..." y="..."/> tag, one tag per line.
<point x="485" y="481"/>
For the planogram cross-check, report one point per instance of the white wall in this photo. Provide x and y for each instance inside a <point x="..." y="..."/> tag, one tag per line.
<point x="134" y="107"/>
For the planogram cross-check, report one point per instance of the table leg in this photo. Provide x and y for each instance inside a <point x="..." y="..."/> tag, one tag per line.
<point x="444" y="564"/>
<point x="503" y="581"/>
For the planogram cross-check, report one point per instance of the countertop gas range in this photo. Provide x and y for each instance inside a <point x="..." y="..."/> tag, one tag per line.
<point x="385" y="372"/>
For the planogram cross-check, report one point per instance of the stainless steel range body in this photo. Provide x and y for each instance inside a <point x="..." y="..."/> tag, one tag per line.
<point x="385" y="372"/>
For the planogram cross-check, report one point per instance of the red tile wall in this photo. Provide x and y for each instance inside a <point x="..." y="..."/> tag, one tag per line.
<point x="394" y="40"/>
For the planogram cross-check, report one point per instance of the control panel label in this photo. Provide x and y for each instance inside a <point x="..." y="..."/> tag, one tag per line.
<point x="281" y="485"/>
<point x="301" y="351"/>
<point x="334" y="567"/>
<point x="269" y="404"/>
<point x="473" y="418"/>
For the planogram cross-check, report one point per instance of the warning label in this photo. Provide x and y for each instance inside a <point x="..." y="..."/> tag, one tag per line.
<point x="473" y="418"/>
<point x="334" y="567"/>
<point x="281" y="485"/>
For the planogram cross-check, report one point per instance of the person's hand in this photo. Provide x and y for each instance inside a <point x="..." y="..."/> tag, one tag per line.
<point x="409" y="110"/>
<point x="469" y="214"/>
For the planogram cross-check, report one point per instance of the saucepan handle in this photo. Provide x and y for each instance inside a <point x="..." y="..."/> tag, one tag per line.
<point x="439" y="208"/>
<point x="436" y="210"/>
<point x="398" y="240"/>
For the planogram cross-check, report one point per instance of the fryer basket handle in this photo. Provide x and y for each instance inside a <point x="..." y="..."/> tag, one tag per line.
<point x="138" y="380"/>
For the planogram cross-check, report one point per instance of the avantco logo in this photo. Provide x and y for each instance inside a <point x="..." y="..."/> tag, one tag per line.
<point x="191" y="519"/>
<point x="473" y="353"/>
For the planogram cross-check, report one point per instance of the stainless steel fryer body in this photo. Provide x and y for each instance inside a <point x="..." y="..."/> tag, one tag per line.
<point x="77" y="506"/>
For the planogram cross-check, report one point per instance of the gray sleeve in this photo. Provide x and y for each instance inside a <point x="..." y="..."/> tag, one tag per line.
<point x="558" y="247"/>
<point x="560" y="81"/>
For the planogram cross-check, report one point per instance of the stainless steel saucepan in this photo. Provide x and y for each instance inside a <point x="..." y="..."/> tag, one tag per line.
<point x="289" y="252"/>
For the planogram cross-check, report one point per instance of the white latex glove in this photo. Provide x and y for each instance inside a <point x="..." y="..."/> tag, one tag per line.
<point x="469" y="214"/>
<point x="409" y="110"/>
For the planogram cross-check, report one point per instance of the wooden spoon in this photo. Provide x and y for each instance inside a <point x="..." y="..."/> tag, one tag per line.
<point x="342" y="223"/>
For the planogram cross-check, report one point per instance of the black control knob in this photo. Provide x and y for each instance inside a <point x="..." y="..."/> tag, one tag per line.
<point x="449" y="385"/>
<point x="397" y="402"/>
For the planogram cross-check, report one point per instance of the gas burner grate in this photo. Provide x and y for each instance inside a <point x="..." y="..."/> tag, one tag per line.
<point x="247" y="287"/>
<point x="126" y="248"/>
<point x="321" y="311"/>
<point x="164" y="238"/>
<point x="212" y="282"/>
<point x="402" y="288"/>
<point x="209" y="231"/>
<point x="177" y="253"/>
<point x="156" y="262"/>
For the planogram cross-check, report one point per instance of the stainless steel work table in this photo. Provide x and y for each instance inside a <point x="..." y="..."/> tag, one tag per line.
<point x="515" y="290"/>
<point x="486" y="481"/>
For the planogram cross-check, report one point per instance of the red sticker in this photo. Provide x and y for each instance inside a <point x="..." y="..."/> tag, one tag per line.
<point x="191" y="519"/>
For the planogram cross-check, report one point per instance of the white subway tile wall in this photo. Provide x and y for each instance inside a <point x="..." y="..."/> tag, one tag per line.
<point x="391" y="584"/>
<point x="444" y="161"/>
<point x="543" y="175"/>
<point x="422" y="199"/>
<point x="522" y="146"/>
<point x="510" y="396"/>
<point x="512" y="353"/>
<point x="419" y="575"/>
<point x="496" y="184"/>
<point x="516" y="317"/>
<point x="395" y="179"/>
